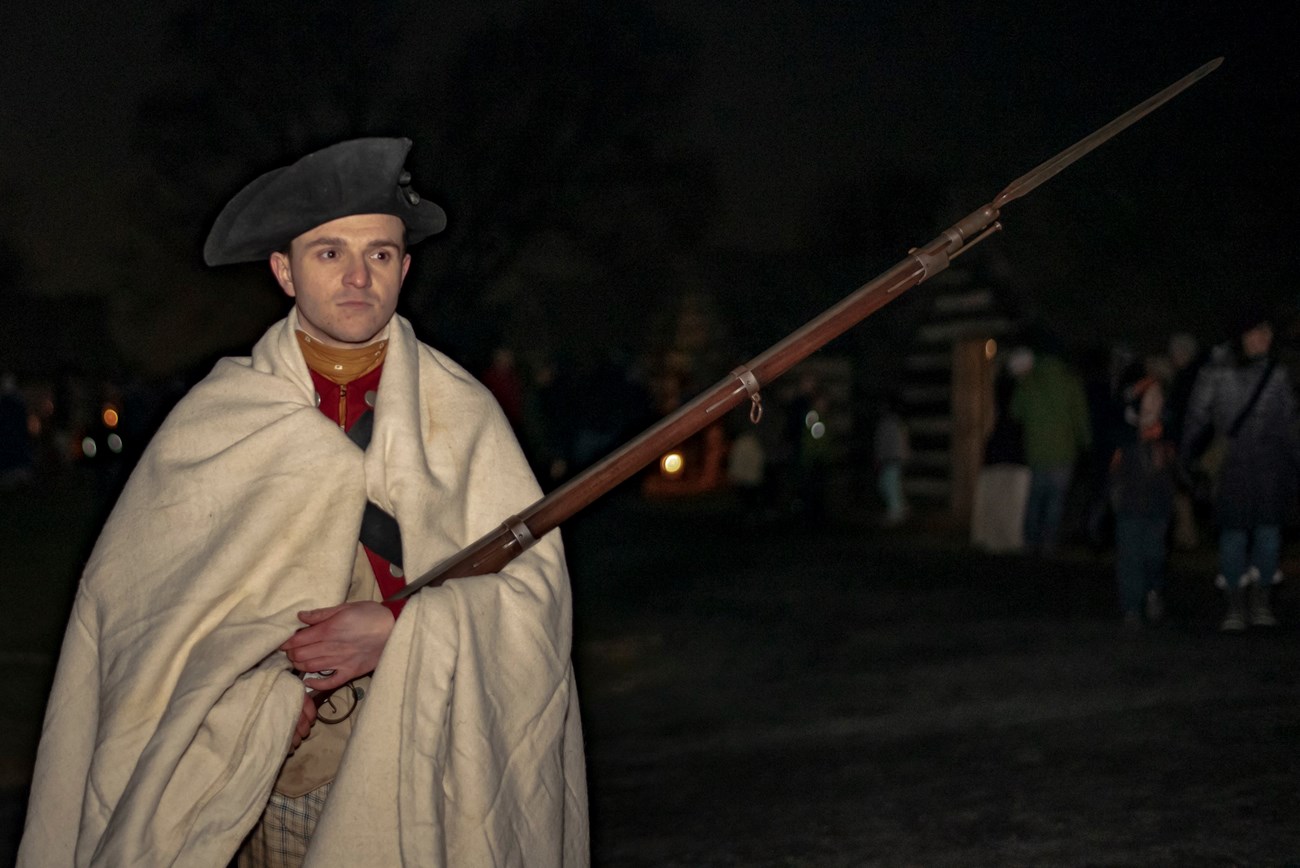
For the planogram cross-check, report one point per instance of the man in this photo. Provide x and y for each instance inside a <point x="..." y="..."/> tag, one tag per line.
<point x="1244" y="397"/>
<point x="281" y="502"/>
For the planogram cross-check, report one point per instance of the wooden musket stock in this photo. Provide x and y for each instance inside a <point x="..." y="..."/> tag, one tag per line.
<point x="496" y="549"/>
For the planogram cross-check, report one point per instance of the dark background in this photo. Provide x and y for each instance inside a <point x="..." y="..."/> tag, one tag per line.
<point x="598" y="163"/>
<point x="828" y="694"/>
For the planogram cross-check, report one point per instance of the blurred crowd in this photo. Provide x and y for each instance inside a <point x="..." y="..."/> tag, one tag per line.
<point x="1150" y="453"/>
<point x="71" y="425"/>
<point x="568" y="413"/>
<point x="1191" y="446"/>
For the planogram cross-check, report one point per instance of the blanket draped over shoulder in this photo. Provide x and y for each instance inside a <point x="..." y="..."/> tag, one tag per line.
<point x="172" y="710"/>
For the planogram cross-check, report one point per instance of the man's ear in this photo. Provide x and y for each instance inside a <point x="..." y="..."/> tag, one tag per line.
<point x="406" y="266"/>
<point x="283" y="272"/>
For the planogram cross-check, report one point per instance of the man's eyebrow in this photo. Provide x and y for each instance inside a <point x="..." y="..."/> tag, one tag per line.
<point x="332" y="241"/>
<point x="325" y="241"/>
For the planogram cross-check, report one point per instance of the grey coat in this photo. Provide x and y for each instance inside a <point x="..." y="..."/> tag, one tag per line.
<point x="1257" y="479"/>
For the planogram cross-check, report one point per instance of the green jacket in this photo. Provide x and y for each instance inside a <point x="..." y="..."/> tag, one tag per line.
<point x="1050" y="404"/>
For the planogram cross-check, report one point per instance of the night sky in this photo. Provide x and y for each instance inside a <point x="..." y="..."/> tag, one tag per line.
<point x="794" y="104"/>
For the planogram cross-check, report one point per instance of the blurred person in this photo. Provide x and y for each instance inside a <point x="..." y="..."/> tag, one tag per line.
<point x="1142" y="474"/>
<point x="713" y="458"/>
<point x="1002" y="487"/>
<point x="892" y="450"/>
<point x="1244" y="399"/>
<point x="1050" y="403"/>
<point x="546" y="423"/>
<point x="270" y="517"/>
<point x="615" y="404"/>
<point x="746" y="466"/>
<point x="1107" y="407"/>
<point x="1185" y="356"/>
<point x="502" y="379"/>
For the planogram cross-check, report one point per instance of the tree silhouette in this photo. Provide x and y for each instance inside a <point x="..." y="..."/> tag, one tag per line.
<point x="568" y="186"/>
<point x="550" y="138"/>
<point x="255" y="84"/>
<point x="252" y="85"/>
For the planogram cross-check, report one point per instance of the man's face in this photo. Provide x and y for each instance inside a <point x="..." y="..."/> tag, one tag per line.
<point x="344" y="277"/>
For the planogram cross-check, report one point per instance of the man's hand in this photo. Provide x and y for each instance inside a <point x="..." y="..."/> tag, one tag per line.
<point x="306" y="718"/>
<point x="347" y="639"/>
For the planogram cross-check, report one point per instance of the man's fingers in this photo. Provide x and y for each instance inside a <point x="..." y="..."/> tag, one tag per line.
<point x="317" y="659"/>
<point x="315" y="616"/>
<point x="301" y="639"/>
<point x="310" y="643"/>
<point x="316" y="630"/>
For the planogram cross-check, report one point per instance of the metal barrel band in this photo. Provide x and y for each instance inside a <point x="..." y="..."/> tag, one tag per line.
<point x="750" y="382"/>
<point x="519" y="530"/>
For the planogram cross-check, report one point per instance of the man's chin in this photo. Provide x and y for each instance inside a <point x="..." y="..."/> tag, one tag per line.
<point x="357" y="333"/>
<point x="347" y="337"/>
<point x="345" y="329"/>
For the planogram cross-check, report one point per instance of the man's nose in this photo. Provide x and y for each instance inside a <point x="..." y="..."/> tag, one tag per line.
<point x="357" y="273"/>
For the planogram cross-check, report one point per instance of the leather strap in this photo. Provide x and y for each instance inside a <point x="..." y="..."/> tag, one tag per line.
<point x="1253" y="399"/>
<point x="379" y="530"/>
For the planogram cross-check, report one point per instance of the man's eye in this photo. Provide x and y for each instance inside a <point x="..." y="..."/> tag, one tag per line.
<point x="381" y="255"/>
<point x="328" y="254"/>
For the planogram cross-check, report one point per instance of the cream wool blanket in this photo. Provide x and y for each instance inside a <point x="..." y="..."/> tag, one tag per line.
<point x="171" y="709"/>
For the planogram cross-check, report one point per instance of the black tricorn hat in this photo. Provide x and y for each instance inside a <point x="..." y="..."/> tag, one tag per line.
<point x="361" y="176"/>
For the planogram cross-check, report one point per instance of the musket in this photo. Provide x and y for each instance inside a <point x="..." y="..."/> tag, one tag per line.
<point x="518" y="532"/>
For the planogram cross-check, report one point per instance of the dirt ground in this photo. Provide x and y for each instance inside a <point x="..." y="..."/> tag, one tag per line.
<point x="770" y="695"/>
<point x="845" y="697"/>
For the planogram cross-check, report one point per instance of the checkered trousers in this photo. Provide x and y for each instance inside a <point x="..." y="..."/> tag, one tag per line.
<point x="281" y="836"/>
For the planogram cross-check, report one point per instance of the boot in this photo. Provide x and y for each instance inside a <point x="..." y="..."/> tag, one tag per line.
<point x="1259" y="612"/>
<point x="1235" y="620"/>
